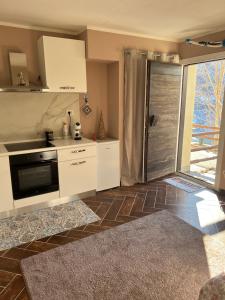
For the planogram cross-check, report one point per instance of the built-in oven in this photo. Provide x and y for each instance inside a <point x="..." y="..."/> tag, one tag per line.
<point x="34" y="174"/>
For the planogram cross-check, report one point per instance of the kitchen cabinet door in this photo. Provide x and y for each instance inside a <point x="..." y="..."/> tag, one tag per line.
<point x="77" y="176"/>
<point x="108" y="165"/>
<point x="62" y="64"/>
<point x="6" y="197"/>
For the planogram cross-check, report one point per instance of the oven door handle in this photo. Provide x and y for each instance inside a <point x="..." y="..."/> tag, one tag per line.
<point x="47" y="161"/>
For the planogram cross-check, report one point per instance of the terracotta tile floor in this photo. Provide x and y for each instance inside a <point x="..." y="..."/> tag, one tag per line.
<point x="204" y="210"/>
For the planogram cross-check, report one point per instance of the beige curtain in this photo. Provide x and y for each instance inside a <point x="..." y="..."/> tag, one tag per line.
<point x="135" y="64"/>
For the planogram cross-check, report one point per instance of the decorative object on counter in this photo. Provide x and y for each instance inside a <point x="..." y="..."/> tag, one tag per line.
<point x="86" y="107"/>
<point x="49" y="135"/>
<point x="65" y="130"/>
<point x="18" y="67"/>
<point x="101" y="128"/>
<point x="21" y="80"/>
<point x="77" y="131"/>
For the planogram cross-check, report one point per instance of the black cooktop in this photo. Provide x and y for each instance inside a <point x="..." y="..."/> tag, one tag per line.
<point x="28" y="146"/>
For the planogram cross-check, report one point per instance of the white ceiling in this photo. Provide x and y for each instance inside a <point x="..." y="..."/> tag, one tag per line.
<point x="169" y="19"/>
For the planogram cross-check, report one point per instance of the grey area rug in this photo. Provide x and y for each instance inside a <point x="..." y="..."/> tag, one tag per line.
<point x="41" y="223"/>
<point x="184" y="184"/>
<point x="155" y="257"/>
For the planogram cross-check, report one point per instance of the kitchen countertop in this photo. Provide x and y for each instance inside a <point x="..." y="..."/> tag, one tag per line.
<point x="107" y="140"/>
<point x="58" y="143"/>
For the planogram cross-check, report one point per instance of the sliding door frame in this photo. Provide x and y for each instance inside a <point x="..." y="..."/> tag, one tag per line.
<point x="221" y="148"/>
<point x="182" y="118"/>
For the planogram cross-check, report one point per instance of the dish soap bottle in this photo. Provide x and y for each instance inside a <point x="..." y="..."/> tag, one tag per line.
<point x="65" y="130"/>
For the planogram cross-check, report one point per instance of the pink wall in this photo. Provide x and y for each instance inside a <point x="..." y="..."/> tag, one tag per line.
<point x="108" y="46"/>
<point x="102" y="85"/>
<point x="97" y="86"/>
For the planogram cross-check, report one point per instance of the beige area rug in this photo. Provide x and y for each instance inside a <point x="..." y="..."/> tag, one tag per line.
<point x="155" y="257"/>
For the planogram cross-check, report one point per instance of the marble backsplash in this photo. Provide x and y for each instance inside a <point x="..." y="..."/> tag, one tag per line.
<point x="25" y="116"/>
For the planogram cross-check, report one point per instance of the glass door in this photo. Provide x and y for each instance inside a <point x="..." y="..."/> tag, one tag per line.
<point x="201" y="110"/>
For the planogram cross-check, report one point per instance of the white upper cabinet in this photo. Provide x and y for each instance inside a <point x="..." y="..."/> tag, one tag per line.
<point x="62" y="64"/>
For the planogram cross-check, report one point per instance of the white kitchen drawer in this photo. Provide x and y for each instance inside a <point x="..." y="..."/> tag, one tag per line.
<point x="108" y="165"/>
<point x="77" y="176"/>
<point x="75" y="153"/>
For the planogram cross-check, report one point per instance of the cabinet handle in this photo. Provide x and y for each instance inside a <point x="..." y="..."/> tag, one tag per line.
<point x="78" y="163"/>
<point x="77" y="151"/>
<point x="67" y="87"/>
<point x="107" y="148"/>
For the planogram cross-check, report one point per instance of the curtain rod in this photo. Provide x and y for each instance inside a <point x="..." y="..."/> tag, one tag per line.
<point x="129" y="50"/>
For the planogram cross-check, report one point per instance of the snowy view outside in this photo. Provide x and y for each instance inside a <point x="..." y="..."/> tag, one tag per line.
<point x="209" y="94"/>
<point x="208" y="103"/>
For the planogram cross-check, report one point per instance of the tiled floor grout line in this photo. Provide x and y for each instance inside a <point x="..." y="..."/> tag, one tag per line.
<point x="132" y="204"/>
<point x="2" y="291"/>
<point x="165" y="194"/>
<point x="120" y="208"/>
<point x="103" y="218"/>
<point x="15" y="259"/>
<point x="144" y="202"/>
<point x="20" y="293"/>
<point x="49" y="242"/>
<point x="95" y="213"/>
<point x="18" y="249"/>
<point x="9" y="283"/>
<point x="6" y="251"/>
<point x="25" y="248"/>
<point x="2" y="253"/>
<point x="7" y="272"/>
<point x="156" y="193"/>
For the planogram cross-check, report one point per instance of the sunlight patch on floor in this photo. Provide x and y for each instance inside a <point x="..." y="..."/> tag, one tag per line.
<point x="214" y="251"/>
<point x="209" y="209"/>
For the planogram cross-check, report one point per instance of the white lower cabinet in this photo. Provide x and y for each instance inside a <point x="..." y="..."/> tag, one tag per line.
<point x="6" y="197"/>
<point x="108" y="165"/>
<point x="77" y="176"/>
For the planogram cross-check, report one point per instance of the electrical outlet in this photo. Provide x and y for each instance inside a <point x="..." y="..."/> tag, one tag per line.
<point x="69" y="111"/>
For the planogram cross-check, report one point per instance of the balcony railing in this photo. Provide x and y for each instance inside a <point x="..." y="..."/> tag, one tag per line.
<point x="210" y="134"/>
